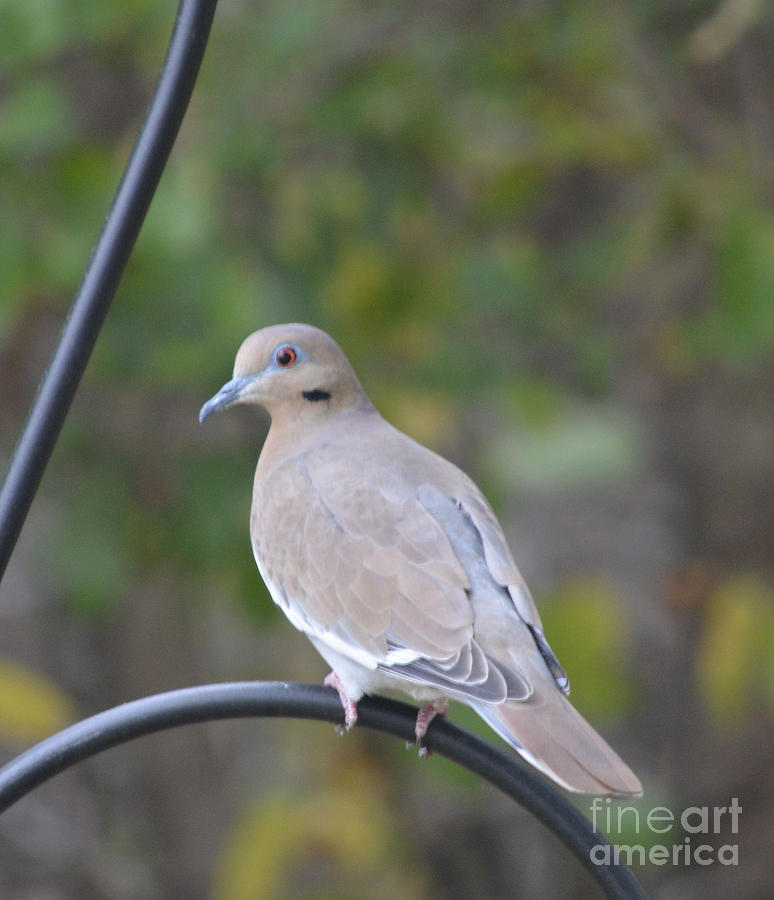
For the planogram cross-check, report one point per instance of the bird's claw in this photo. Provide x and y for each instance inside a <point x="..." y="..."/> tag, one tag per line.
<point x="350" y="707"/>
<point x="424" y="717"/>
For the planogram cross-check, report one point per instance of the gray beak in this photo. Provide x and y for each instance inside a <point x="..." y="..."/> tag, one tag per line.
<point x="226" y="396"/>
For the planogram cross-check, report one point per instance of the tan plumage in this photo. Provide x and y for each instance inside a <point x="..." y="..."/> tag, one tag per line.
<point x="392" y="562"/>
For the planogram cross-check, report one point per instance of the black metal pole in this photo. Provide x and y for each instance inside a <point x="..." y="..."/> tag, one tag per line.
<point x="91" y="303"/>
<point x="277" y="698"/>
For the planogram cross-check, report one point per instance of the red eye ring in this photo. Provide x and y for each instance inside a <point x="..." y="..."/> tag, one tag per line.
<point x="285" y="357"/>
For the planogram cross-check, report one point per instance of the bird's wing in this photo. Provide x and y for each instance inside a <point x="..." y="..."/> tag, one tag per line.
<point x="496" y="551"/>
<point x="473" y="507"/>
<point x="359" y="564"/>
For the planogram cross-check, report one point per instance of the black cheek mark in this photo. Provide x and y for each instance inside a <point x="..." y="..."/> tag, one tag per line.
<point x="316" y="395"/>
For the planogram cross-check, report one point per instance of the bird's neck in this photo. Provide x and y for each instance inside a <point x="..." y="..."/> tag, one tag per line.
<point x="294" y="435"/>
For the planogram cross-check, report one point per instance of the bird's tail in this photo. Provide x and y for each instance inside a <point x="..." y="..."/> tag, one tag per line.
<point x="557" y="740"/>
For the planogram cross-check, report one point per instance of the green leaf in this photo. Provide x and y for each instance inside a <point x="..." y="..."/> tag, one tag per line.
<point x="35" y="119"/>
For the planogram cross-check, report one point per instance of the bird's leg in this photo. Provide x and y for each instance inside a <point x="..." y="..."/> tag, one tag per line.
<point x="350" y="707"/>
<point x="424" y="717"/>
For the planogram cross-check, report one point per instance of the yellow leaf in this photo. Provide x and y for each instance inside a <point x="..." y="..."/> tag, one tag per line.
<point x="730" y="652"/>
<point x="31" y="706"/>
<point x="430" y="417"/>
<point x="586" y="627"/>
<point x="360" y="276"/>
<point x="343" y="835"/>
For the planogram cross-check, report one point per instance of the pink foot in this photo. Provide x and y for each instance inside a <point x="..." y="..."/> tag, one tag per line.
<point x="424" y="717"/>
<point x="350" y="707"/>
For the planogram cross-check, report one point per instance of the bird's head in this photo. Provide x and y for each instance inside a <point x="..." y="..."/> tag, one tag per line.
<point x="290" y="370"/>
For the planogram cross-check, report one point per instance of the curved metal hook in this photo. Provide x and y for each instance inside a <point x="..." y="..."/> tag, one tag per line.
<point x="281" y="699"/>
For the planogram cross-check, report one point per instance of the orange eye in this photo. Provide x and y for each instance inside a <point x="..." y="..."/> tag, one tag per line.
<point x="285" y="357"/>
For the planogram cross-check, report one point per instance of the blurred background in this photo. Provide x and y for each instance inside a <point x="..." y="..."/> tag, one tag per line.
<point x="543" y="232"/>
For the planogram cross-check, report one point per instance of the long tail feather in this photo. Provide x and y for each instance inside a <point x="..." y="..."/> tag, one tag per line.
<point x="559" y="742"/>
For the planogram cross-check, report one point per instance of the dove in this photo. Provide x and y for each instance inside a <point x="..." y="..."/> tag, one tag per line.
<point x="391" y="561"/>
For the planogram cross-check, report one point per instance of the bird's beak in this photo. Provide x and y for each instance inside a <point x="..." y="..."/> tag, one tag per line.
<point x="231" y="393"/>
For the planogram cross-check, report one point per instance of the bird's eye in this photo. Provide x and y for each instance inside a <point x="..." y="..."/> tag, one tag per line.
<point x="285" y="357"/>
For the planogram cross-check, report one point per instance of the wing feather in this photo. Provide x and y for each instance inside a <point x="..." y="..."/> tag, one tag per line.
<point x="370" y="566"/>
<point x="389" y="574"/>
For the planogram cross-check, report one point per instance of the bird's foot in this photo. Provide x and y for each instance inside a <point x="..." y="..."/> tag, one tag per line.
<point x="424" y="717"/>
<point x="350" y="707"/>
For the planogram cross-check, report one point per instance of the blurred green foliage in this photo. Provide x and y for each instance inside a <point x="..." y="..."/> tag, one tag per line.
<point x="542" y="232"/>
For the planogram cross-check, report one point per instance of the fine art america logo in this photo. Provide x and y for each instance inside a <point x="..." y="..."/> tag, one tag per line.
<point x="681" y="844"/>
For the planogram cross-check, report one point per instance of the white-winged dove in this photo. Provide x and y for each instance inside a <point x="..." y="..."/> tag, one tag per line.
<point x="391" y="561"/>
